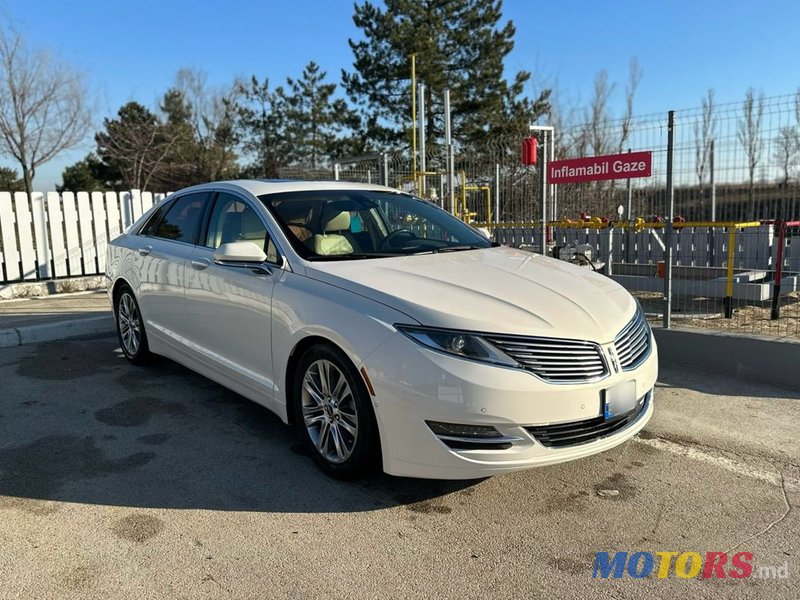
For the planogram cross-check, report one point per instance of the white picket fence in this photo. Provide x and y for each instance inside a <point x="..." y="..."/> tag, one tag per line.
<point x="63" y="235"/>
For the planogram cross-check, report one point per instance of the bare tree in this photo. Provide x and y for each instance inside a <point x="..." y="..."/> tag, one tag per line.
<point x="787" y="147"/>
<point x="704" y="133"/>
<point x="634" y="78"/>
<point x="212" y="120"/>
<point x="42" y="105"/>
<point x="598" y="114"/>
<point x="749" y="134"/>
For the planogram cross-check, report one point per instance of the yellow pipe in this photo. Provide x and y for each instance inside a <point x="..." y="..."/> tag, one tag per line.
<point x="731" y="248"/>
<point x="488" y="191"/>
<point x="414" y="117"/>
<point x="639" y="225"/>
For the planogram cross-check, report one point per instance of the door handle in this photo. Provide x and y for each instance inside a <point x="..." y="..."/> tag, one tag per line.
<point x="145" y="251"/>
<point x="200" y="264"/>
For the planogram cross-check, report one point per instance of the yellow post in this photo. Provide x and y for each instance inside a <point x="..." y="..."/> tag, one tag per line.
<point x="414" y="117"/>
<point x="489" y="208"/>
<point x="727" y="302"/>
<point x="463" y="208"/>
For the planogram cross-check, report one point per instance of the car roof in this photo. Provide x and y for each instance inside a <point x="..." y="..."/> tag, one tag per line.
<point x="257" y="187"/>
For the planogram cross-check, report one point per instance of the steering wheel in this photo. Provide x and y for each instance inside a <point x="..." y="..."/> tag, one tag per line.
<point x="397" y="239"/>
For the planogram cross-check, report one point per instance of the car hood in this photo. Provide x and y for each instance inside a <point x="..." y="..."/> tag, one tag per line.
<point x="497" y="290"/>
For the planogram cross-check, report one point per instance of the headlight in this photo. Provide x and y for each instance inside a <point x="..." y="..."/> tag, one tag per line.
<point x="458" y="343"/>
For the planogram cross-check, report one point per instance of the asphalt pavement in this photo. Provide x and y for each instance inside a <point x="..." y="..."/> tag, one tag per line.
<point x="152" y="482"/>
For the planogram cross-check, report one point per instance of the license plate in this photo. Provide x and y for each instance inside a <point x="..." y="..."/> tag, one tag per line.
<point x="619" y="400"/>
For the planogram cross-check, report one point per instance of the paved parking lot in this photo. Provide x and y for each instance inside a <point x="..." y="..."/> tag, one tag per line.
<point x="124" y="482"/>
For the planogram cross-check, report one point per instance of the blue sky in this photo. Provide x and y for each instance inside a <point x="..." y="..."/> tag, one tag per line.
<point x="130" y="50"/>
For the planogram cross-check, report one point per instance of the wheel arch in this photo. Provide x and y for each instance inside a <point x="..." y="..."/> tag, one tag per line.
<point x="294" y="358"/>
<point x="115" y="290"/>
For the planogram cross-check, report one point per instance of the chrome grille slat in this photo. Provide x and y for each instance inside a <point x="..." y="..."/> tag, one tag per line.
<point x="575" y="353"/>
<point x="570" y="369"/>
<point x="632" y="338"/>
<point x="554" y="360"/>
<point x="633" y="343"/>
<point x="561" y="363"/>
<point x="635" y="346"/>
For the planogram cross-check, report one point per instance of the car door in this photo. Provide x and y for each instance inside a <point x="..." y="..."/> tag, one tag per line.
<point x="162" y="249"/>
<point x="228" y="308"/>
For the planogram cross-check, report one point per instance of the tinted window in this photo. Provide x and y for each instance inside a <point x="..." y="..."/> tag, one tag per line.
<point x="149" y="228"/>
<point x="181" y="221"/>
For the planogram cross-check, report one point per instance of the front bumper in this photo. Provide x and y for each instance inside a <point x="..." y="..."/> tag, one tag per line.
<point x="414" y="385"/>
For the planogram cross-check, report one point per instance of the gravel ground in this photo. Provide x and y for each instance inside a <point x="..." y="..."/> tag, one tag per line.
<point x="708" y="313"/>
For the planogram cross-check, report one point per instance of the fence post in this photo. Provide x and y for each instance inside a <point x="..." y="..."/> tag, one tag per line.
<point x="712" y="182"/>
<point x="629" y="218"/>
<point x="40" y="234"/>
<point x="497" y="192"/>
<point x="542" y="194"/>
<point x="668" y="226"/>
<point x="727" y="301"/>
<point x="385" y="163"/>
<point x="775" y="313"/>
<point x="336" y="168"/>
<point x="423" y="166"/>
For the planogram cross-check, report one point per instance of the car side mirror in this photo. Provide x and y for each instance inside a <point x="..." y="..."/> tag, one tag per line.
<point x="239" y="252"/>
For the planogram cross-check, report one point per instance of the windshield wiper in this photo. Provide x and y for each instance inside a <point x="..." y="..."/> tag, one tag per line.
<point x="458" y="248"/>
<point x="356" y="256"/>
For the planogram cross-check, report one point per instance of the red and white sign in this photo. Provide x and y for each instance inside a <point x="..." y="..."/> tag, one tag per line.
<point x="595" y="168"/>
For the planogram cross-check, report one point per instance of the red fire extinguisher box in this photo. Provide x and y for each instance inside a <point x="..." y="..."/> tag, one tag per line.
<point x="529" y="151"/>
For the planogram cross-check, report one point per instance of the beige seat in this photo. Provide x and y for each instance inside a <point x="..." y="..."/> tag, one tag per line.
<point x="330" y="243"/>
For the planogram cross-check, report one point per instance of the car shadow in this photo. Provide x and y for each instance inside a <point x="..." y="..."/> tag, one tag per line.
<point x="86" y="426"/>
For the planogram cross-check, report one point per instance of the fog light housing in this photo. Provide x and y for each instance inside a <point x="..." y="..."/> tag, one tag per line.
<point x="468" y="431"/>
<point x="471" y="437"/>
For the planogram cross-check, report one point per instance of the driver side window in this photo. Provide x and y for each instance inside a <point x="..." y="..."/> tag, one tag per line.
<point x="233" y="220"/>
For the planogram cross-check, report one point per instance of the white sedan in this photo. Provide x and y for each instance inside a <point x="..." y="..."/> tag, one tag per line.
<point x="388" y="332"/>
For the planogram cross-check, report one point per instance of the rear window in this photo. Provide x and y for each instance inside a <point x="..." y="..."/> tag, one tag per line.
<point x="183" y="218"/>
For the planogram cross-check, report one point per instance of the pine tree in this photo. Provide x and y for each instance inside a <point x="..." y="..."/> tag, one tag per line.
<point x="10" y="181"/>
<point x="460" y="46"/>
<point x="257" y="125"/>
<point x="90" y="174"/>
<point x="138" y="145"/>
<point x="314" y="120"/>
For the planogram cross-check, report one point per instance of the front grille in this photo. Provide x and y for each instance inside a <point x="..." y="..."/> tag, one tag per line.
<point x="583" y="432"/>
<point x="554" y="360"/>
<point x="633" y="343"/>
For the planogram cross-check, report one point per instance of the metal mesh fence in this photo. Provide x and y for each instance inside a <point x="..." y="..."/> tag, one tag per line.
<point x="732" y="162"/>
<point x="736" y="165"/>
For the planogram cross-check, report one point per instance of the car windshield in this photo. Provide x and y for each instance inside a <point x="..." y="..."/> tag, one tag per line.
<point x="348" y="224"/>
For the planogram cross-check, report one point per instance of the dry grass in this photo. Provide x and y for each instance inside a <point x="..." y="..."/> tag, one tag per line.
<point x="708" y="313"/>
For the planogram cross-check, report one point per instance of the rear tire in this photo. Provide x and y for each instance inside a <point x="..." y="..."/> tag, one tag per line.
<point x="333" y="414"/>
<point x="130" y="327"/>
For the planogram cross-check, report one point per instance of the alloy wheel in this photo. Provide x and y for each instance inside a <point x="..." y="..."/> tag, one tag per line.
<point x="129" y="322"/>
<point x="329" y="411"/>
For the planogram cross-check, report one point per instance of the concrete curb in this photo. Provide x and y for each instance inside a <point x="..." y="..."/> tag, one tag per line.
<point x="761" y="359"/>
<point x="48" y="332"/>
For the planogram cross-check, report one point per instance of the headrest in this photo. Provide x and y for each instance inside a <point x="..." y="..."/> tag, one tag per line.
<point x="337" y="221"/>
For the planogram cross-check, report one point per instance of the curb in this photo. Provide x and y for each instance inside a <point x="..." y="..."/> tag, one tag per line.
<point x="48" y="332"/>
<point x="772" y="361"/>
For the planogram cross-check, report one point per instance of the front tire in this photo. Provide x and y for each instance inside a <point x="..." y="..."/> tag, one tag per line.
<point x="130" y="327"/>
<point x="333" y="414"/>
